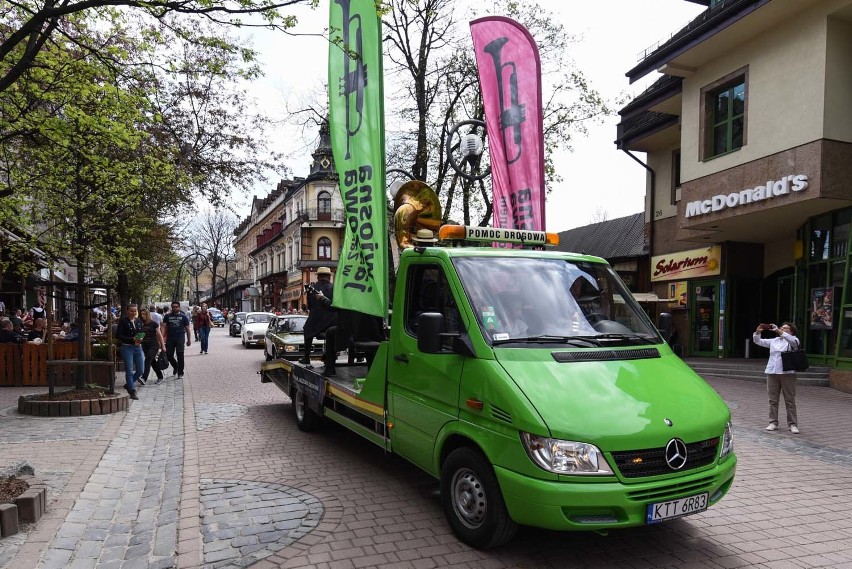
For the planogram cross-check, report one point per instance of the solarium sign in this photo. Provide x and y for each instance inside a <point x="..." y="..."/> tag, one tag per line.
<point x="772" y="189"/>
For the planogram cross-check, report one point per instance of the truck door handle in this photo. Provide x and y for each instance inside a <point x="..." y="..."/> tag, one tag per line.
<point x="401" y="358"/>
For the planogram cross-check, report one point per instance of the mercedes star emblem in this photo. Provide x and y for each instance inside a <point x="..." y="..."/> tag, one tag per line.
<point x="676" y="454"/>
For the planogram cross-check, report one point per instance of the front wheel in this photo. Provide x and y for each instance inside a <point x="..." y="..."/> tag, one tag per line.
<point x="306" y="418"/>
<point x="473" y="503"/>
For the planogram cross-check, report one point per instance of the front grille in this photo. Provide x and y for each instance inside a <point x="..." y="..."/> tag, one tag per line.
<point x="652" y="462"/>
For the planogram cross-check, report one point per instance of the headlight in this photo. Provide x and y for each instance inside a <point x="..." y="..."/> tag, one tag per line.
<point x="291" y="348"/>
<point x="565" y="457"/>
<point x="249" y="334"/>
<point x="727" y="441"/>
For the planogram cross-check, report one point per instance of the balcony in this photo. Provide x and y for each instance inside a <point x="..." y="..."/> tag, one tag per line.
<point x="312" y="214"/>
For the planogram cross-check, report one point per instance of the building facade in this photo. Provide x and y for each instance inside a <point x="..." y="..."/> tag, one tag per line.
<point x="291" y="232"/>
<point x="748" y="138"/>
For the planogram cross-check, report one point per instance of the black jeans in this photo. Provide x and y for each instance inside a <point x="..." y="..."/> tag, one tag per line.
<point x="174" y="350"/>
<point x="150" y="356"/>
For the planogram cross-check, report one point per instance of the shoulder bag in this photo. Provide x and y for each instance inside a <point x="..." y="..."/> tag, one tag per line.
<point x="162" y="361"/>
<point x="794" y="360"/>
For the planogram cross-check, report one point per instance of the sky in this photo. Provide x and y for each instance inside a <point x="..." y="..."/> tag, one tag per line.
<point x="599" y="180"/>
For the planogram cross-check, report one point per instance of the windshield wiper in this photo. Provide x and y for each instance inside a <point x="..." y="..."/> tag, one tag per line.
<point x="581" y="341"/>
<point x="626" y="337"/>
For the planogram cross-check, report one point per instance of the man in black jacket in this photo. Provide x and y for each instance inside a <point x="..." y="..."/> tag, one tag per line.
<point x="320" y="313"/>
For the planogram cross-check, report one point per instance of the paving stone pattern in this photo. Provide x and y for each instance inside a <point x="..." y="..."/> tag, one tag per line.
<point x="126" y="515"/>
<point x="210" y="414"/>
<point x="243" y="522"/>
<point x="19" y="428"/>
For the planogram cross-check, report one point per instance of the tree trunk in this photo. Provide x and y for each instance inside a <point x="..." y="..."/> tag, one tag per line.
<point x="123" y="291"/>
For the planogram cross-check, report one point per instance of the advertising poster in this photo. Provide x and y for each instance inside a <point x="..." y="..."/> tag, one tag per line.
<point x="677" y="291"/>
<point x="822" y="302"/>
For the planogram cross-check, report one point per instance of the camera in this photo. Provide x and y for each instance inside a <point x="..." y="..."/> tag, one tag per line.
<point x="309" y="288"/>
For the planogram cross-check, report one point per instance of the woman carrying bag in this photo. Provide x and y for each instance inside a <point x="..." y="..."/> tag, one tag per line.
<point x="152" y="344"/>
<point x="779" y="381"/>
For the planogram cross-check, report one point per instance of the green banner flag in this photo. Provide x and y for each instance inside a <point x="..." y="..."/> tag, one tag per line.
<point x="356" y="102"/>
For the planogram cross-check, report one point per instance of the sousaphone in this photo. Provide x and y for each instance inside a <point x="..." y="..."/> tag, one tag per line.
<point x="415" y="206"/>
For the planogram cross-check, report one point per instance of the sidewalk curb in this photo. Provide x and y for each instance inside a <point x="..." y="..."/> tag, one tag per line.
<point x="190" y="547"/>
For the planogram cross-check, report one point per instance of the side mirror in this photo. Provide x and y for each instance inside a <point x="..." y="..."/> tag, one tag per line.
<point x="666" y="325"/>
<point x="429" y="326"/>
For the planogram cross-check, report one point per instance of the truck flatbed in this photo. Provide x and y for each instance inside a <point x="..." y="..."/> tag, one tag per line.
<point x="341" y="393"/>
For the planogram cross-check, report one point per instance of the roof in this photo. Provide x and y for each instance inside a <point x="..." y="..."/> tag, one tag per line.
<point x="611" y="239"/>
<point x="707" y="24"/>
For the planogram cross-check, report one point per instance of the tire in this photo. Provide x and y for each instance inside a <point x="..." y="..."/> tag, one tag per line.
<point x="268" y="357"/>
<point x="472" y="500"/>
<point x="306" y="418"/>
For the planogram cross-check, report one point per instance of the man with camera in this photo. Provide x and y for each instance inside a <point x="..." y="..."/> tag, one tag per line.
<point x="320" y="313"/>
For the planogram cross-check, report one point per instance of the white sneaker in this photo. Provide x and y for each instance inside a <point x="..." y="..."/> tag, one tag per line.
<point x="794" y="429"/>
<point x="772" y="427"/>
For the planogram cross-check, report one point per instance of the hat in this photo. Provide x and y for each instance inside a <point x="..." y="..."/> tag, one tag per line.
<point x="323" y="271"/>
<point x="424" y="236"/>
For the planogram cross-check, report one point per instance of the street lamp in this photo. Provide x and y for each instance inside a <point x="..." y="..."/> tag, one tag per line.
<point x="196" y="266"/>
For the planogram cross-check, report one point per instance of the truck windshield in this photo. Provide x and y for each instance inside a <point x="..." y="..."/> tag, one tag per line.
<point x="528" y="300"/>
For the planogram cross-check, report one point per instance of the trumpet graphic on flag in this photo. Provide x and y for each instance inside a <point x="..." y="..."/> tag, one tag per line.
<point x="354" y="79"/>
<point x="515" y="114"/>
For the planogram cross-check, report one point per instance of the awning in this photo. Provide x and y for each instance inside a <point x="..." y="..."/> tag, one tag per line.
<point x="251" y="292"/>
<point x="651" y="297"/>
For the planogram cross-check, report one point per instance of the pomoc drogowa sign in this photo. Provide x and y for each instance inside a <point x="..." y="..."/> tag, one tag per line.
<point x="687" y="264"/>
<point x="773" y="188"/>
<point x="356" y="118"/>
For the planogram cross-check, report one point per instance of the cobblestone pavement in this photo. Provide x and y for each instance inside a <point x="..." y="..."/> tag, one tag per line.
<point x="253" y="490"/>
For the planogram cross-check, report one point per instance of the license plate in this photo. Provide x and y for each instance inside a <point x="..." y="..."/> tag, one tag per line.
<point x="676" y="508"/>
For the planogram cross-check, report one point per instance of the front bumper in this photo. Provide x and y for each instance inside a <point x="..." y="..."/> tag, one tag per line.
<point x="591" y="505"/>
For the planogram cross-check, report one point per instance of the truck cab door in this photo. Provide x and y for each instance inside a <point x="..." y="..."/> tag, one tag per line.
<point x="423" y="389"/>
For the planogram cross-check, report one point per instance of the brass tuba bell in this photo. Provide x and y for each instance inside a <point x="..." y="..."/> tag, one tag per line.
<point x="416" y="206"/>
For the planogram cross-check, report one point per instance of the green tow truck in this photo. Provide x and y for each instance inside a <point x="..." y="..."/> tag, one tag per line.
<point x="534" y="388"/>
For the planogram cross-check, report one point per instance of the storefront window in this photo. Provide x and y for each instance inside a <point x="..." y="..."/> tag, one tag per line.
<point x="846" y="335"/>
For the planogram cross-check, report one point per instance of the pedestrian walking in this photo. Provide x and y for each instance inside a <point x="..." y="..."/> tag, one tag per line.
<point x="176" y="325"/>
<point x="152" y="344"/>
<point x="193" y="314"/>
<point x="129" y="333"/>
<point x="202" y="324"/>
<point x="778" y="381"/>
<point x="155" y="315"/>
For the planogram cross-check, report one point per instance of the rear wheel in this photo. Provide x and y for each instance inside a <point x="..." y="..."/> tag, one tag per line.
<point x="473" y="503"/>
<point x="306" y="418"/>
<point x="268" y="356"/>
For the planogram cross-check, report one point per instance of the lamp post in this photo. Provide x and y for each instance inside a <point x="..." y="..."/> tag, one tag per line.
<point x="194" y="260"/>
<point x="196" y="266"/>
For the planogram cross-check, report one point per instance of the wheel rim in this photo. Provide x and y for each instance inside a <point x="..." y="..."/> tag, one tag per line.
<point x="299" y="405"/>
<point x="469" y="500"/>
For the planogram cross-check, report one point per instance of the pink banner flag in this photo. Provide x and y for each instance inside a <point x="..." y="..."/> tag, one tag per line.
<point x="510" y="76"/>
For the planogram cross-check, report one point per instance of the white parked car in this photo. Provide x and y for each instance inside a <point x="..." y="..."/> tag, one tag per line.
<point x="254" y="328"/>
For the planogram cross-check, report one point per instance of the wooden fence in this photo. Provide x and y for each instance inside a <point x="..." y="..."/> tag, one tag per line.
<point x="24" y="365"/>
